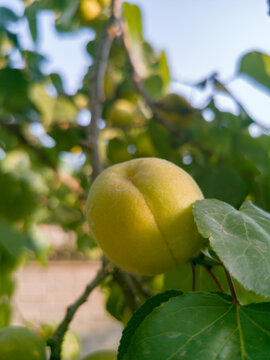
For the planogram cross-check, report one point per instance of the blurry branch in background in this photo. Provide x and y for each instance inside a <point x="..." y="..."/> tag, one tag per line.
<point x="15" y="130"/>
<point x="97" y="83"/>
<point x="124" y="280"/>
<point x="55" y="342"/>
<point x="150" y="102"/>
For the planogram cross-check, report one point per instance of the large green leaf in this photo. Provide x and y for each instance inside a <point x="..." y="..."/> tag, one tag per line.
<point x="139" y="316"/>
<point x="257" y="66"/>
<point x="202" y="326"/>
<point x="240" y="238"/>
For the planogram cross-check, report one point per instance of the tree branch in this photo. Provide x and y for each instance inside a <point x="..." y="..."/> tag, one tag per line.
<point x="138" y="82"/>
<point x="55" y="342"/>
<point x="97" y="83"/>
<point x="124" y="280"/>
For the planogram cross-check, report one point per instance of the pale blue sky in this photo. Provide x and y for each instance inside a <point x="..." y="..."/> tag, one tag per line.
<point x="199" y="37"/>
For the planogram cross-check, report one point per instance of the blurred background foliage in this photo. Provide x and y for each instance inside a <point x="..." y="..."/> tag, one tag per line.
<point x="45" y="159"/>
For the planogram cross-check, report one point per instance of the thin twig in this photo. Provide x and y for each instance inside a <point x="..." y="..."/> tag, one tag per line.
<point x="97" y="84"/>
<point x="112" y="31"/>
<point x="55" y="342"/>
<point x="231" y="286"/>
<point x="193" y="270"/>
<point x="215" y="279"/>
<point x="124" y="280"/>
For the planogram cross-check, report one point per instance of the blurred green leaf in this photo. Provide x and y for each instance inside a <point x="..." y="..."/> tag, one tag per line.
<point x="132" y="15"/>
<point x="14" y="242"/>
<point x="58" y="83"/>
<point x="17" y="198"/>
<point x="5" y="311"/>
<point x="164" y="70"/>
<point x="7" y="16"/>
<point x="138" y="318"/>
<point x="14" y="87"/>
<point x="223" y="183"/>
<point x="256" y="65"/>
<point x="154" y="85"/>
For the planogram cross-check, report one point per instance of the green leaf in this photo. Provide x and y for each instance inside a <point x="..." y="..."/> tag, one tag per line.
<point x="14" y="91"/>
<point x="202" y="326"/>
<point x="222" y="183"/>
<point x="139" y="317"/>
<point x="68" y="20"/>
<point x="31" y="15"/>
<point x="115" y="303"/>
<point x="17" y="198"/>
<point x="57" y="83"/>
<point x="257" y="66"/>
<point x="240" y="238"/>
<point x="154" y="85"/>
<point x="5" y="311"/>
<point x="7" y="16"/>
<point x="133" y="17"/>
<point x="14" y="242"/>
<point x="34" y="62"/>
<point x="251" y="152"/>
<point x="164" y="70"/>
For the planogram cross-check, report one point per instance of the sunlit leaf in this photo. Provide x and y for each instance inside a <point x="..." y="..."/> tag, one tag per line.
<point x="240" y="238"/>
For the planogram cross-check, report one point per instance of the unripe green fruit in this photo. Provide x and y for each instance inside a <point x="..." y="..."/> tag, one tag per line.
<point x="19" y="343"/>
<point x="140" y="212"/>
<point x="121" y="113"/>
<point x="102" y="355"/>
<point x="89" y="9"/>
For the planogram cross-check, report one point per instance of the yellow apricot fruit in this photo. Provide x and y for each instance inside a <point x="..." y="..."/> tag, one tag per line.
<point x="20" y="343"/>
<point x="140" y="213"/>
<point x="89" y="9"/>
